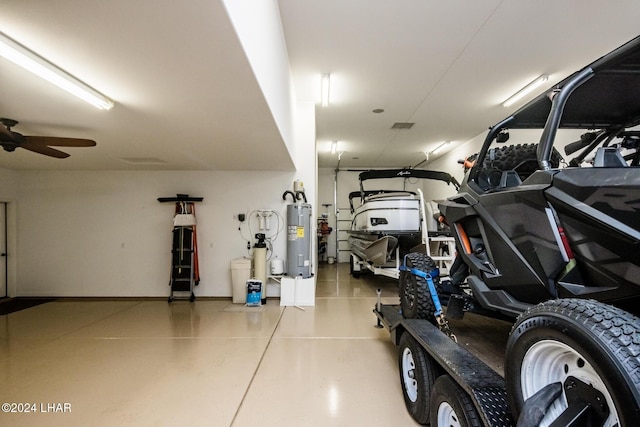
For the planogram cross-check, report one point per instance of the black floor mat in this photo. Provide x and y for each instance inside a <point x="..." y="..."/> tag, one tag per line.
<point x="12" y="305"/>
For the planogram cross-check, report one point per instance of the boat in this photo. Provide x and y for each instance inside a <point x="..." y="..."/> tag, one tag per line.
<point x="388" y="224"/>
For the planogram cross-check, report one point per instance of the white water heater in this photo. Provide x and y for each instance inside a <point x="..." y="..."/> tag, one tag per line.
<point x="299" y="240"/>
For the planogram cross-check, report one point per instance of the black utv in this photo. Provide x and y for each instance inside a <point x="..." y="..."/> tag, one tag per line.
<point x="547" y="232"/>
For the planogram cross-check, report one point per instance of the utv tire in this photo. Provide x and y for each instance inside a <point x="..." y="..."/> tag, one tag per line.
<point x="451" y="406"/>
<point x="521" y="157"/>
<point x="415" y="298"/>
<point x="418" y="372"/>
<point x="590" y="348"/>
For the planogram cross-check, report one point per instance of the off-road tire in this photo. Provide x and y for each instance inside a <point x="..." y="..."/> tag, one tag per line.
<point x="415" y="298"/>
<point x="520" y="157"/>
<point x="418" y="371"/>
<point x="451" y="405"/>
<point x="585" y="339"/>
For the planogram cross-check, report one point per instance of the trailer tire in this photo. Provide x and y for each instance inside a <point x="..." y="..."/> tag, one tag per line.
<point x="415" y="298"/>
<point x="418" y="372"/>
<point x="451" y="405"/>
<point x="591" y="348"/>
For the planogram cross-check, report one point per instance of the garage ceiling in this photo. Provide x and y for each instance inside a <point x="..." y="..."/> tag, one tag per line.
<point x="186" y="96"/>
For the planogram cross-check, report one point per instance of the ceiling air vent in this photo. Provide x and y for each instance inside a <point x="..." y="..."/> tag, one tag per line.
<point x="402" y="125"/>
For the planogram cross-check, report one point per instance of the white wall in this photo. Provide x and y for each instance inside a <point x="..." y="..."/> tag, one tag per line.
<point x="105" y="234"/>
<point x="448" y="162"/>
<point x="307" y="165"/>
<point x="259" y="28"/>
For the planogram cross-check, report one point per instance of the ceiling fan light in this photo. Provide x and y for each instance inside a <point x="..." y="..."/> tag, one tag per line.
<point x="30" y="61"/>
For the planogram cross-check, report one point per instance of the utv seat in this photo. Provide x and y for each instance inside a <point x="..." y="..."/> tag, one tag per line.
<point x="510" y="179"/>
<point x="609" y="157"/>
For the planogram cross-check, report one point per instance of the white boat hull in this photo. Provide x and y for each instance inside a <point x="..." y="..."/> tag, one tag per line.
<point x="388" y="214"/>
<point x="377" y="252"/>
<point x="382" y="224"/>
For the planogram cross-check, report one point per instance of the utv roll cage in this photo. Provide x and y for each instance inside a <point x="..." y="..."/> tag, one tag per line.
<point x="596" y="97"/>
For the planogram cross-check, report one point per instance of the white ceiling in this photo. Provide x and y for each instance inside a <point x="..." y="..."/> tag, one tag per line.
<point x="185" y="92"/>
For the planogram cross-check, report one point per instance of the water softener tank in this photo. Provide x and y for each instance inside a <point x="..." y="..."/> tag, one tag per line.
<point x="260" y="264"/>
<point x="299" y="240"/>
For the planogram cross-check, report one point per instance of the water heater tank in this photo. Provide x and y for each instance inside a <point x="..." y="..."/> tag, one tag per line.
<point x="299" y="240"/>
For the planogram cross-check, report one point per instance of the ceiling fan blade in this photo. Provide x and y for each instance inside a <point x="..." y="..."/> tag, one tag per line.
<point x="6" y="134"/>
<point x="43" y="149"/>
<point x="59" y="142"/>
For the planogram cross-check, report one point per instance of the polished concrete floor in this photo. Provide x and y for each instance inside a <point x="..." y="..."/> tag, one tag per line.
<point x="211" y="363"/>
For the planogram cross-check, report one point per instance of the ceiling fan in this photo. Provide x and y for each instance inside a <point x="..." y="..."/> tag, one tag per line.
<point x="11" y="140"/>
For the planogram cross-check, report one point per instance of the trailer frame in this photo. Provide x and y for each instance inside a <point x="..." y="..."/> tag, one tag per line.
<point x="485" y="387"/>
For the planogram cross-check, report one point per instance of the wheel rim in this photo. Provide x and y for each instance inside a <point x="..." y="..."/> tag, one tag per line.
<point x="447" y="416"/>
<point x="408" y="292"/>
<point x="549" y="361"/>
<point x="408" y="375"/>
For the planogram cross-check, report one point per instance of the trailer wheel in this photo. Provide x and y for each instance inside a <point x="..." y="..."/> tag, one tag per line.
<point x="589" y="351"/>
<point x="417" y="374"/>
<point x="415" y="298"/>
<point x="451" y="405"/>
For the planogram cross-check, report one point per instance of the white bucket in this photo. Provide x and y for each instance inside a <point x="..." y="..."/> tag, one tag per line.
<point x="331" y="260"/>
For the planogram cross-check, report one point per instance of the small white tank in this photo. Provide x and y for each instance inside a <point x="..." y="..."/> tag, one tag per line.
<point x="277" y="266"/>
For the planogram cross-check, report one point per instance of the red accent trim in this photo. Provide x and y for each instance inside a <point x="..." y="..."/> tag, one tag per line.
<point x="565" y="242"/>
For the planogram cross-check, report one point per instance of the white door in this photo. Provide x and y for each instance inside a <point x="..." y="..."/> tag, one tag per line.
<point x="3" y="250"/>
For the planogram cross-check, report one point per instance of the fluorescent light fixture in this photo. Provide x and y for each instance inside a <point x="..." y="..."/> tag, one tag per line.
<point x="325" y="83"/>
<point x="526" y="90"/>
<point x="39" y="66"/>
<point x="436" y="150"/>
<point x="441" y="147"/>
<point x="334" y="147"/>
